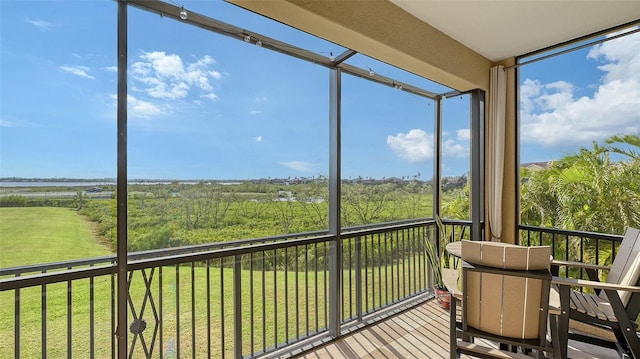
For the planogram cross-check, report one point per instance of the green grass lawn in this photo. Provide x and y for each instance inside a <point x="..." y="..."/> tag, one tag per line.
<point x="45" y="234"/>
<point x="196" y="301"/>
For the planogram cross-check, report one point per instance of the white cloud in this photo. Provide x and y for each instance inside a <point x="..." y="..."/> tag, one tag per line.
<point x="299" y="166"/>
<point x="111" y="68"/>
<point x="210" y="96"/>
<point x="215" y="74"/>
<point x="451" y="148"/>
<point x="415" y="146"/>
<point x="464" y="134"/>
<point x="78" y="71"/>
<point x="553" y="116"/>
<point x="5" y="123"/>
<point x="40" y="24"/>
<point x="255" y="112"/>
<point x="167" y="76"/>
<point x="140" y="109"/>
<point x="259" y="139"/>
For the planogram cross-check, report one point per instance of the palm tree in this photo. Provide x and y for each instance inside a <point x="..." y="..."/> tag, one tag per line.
<point x="586" y="191"/>
<point x="632" y="140"/>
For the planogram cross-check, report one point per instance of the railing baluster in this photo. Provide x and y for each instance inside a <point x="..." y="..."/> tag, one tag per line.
<point x="92" y="353"/>
<point x="349" y="273"/>
<point x="366" y="276"/>
<point x="193" y="310"/>
<point x="43" y="292"/>
<point x="297" y="297"/>
<point x="275" y="298"/>
<point x="391" y="264"/>
<point x="386" y="270"/>
<point x="417" y="246"/>
<point x="395" y="262"/>
<point x="237" y="306"/>
<point x="306" y="285"/>
<point x="178" y="311"/>
<point x="582" y="254"/>
<point x="400" y="264"/>
<point x="317" y="295"/>
<point x="358" y="273"/>
<point x="379" y="264"/>
<point x="16" y="322"/>
<point x="540" y="238"/>
<point x="286" y="296"/>
<point x="598" y="252"/>
<point x="343" y="307"/>
<point x="222" y="331"/>
<point x="412" y="261"/>
<point x="264" y="303"/>
<point x="69" y="317"/>
<point x="161" y="312"/>
<point x="251" y="301"/>
<point x="401" y="285"/>
<point x="326" y="285"/>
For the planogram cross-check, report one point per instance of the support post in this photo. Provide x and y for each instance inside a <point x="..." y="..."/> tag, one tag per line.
<point x="335" y="246"/>
<point x="477" y="164"/>
<point x="121" y="214"/>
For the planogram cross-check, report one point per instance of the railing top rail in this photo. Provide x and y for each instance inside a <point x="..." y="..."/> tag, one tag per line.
<point x="55" y="277"/>
<point x="81" y="273"/>
<point x="68" y="270"/>
<point x="44" y="267"/>
<point x="592" y="235"/>
<point x="154" y="253"/>
<point x="226" y="252"/>
<point x="244" y="246"/>
<point x="197" y="248"/>
<point x="384" y="227"/>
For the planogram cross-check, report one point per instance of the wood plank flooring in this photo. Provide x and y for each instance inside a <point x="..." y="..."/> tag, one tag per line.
<point x="421" y="332"/>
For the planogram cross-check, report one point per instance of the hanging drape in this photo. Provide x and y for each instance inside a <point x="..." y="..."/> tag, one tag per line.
<point x="495" y="149"/>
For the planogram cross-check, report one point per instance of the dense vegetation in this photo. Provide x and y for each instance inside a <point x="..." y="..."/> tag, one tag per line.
<point x="181" y="214"/>
<point x="587" y="190"/>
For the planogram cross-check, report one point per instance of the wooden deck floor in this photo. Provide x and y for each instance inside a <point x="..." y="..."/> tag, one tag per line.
<point x="421" y="332"/>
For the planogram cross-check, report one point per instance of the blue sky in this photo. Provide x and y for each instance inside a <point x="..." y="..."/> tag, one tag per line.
<point x="204" y="106"/>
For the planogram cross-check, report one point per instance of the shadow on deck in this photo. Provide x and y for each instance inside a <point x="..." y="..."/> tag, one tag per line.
<point x="421" y="332"/>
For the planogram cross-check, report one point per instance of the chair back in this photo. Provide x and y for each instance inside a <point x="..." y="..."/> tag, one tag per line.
<point x="625" y="269"/>
<point x="511" y="304"/>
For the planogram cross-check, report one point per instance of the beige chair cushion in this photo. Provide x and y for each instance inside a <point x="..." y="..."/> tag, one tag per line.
<point x="506" y="256"/>
<point x="500" y="304"/>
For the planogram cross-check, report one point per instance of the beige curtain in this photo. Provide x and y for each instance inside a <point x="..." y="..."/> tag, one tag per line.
<point x="495" y="149"/>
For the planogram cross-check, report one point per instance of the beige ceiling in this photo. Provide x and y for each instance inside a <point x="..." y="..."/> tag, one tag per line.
<point x="506" y="28"/>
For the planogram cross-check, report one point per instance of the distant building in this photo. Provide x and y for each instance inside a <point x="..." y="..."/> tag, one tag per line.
<point x="536" y="165"/>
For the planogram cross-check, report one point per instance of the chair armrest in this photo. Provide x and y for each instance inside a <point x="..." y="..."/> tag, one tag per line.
<point x="579" y="265"/>
<point x="592" y="284"/>
<point x="450" y="279"/>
